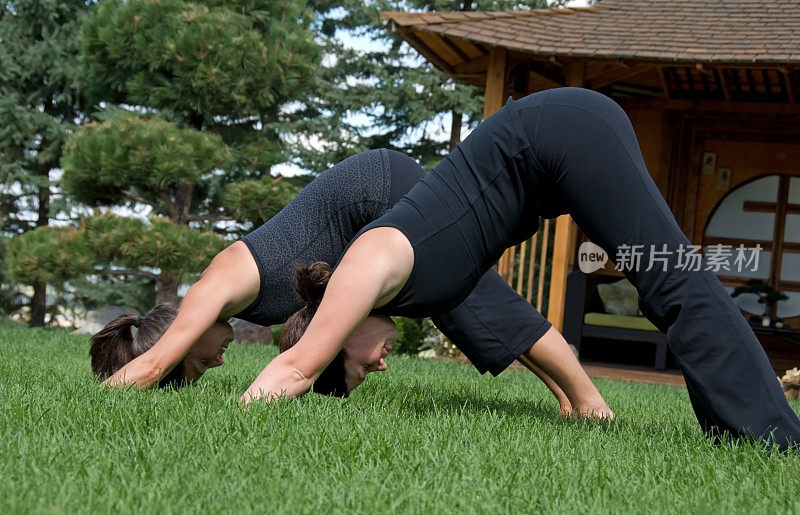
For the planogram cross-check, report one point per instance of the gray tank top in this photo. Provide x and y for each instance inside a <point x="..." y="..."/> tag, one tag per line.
<point x="319" y="223"/>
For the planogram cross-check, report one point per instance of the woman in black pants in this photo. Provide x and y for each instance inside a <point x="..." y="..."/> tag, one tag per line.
<point x="565" y="150"/>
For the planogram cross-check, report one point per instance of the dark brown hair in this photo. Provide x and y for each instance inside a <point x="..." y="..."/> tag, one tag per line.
<point x="309" y="281"/>
<point x="115" y="345"/>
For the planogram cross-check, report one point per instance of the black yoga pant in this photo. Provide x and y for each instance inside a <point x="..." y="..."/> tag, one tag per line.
<point x="587" y="150"/>
<point x="494" y="325"/>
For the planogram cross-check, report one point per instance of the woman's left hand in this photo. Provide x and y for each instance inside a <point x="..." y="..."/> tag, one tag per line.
<point x="278" y="379"/>
<point x="139" y="372"/>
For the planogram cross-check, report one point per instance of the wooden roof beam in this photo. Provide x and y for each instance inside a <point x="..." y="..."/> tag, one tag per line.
<point x="554" y="76"/>
<point x="723" y="83"/>
<point x="452" y="46"/>
<point x="474" y="66"/>
<point x="787" y="80"/>
<point x="783" y="108"/>
<point x="616" y="74"/>
<point x="469" y="47"/>
<point x="425" y="50"/>
<point x="664" y="83"/>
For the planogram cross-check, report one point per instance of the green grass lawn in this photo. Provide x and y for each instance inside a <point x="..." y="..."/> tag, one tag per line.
<point x="422" y="437"/>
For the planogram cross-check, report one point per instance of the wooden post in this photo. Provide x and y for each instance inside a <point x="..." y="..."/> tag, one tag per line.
<point x="560" y="266"/>
<point x="521" y="272"/>
<point x="493" y="101"/>
<point x="566" y="235"/>
<point x="576" y="73"/>
<point x="495" y="81"/>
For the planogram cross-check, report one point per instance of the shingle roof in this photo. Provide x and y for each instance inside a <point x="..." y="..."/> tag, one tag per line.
<point x="712" y="31"/>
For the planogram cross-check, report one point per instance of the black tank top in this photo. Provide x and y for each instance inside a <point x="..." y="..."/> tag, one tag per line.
<point x="320" y="221"/>
<point x="478" y="201"/>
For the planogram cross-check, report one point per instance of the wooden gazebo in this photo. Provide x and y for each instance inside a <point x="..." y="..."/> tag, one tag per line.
<point x="712" y="89"/>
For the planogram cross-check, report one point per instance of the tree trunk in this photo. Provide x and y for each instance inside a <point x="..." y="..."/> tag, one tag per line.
<point x="38" y="304"/>
<point x="178" y="201"/>
<point x="39" y="299"/>
<point x="455" y="130"/>
<point x="167" y="288"/>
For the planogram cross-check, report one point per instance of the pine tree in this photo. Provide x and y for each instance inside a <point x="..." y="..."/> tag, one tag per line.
<point x="202" y="85"/>
<point x="220" y="66"/>
<point x="387" y="97"/>
<point x="40" y="105"/>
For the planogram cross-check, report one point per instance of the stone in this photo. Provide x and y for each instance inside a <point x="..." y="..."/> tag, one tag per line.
<point x="790" y="383"/>
<point x="98" y="318"/>
<point x="248" y="332"/>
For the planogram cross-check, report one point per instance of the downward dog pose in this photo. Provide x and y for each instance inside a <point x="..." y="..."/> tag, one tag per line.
<point x="251" y="280"/>
<point x="565" y="150"/>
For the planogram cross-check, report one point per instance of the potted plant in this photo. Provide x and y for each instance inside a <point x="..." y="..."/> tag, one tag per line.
<point x="768" y="296"/>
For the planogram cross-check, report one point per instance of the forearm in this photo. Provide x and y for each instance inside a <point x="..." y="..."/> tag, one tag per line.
<point x="373" y="269"/>
<point x="198" y="312"/>
<point x="347" y="301"/>
<point x="371" y="272"/>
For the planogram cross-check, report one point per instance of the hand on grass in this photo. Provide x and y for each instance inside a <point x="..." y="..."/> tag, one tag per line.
<point x="136" y="373"/>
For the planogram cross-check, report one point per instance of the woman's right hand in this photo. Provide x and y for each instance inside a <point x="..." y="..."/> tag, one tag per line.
<point x="139" y="372"/>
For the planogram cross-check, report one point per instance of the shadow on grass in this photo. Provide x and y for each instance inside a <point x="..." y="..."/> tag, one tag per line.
<point x="425" y="402"/>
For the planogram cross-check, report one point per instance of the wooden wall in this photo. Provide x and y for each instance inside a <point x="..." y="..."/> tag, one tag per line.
<point x="653" y="132"/>
<point x="746" y="160"/>
<point x="672" y="142"/>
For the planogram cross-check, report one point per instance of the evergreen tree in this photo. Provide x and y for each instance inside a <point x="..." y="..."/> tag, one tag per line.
<point x="109" y="244"/>
<point x="203" y="84"/>
<point x="220" y="66"/>
<point x="39" y="106"/>
<point x="386" y="97"/>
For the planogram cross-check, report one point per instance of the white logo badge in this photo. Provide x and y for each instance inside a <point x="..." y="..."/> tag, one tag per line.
<point x="591" y="257"/>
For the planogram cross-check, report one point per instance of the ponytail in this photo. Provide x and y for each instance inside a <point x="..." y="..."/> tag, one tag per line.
<point x="309" y="281"/>
<point x="112" y="346"/>
<point x="116" y="344"/>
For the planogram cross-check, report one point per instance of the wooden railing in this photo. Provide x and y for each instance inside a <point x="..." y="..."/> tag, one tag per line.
<point x="526" y="267"/>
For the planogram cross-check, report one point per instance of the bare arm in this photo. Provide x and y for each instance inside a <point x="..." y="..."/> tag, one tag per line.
<point x="372" y="271"/>
<point x="227" y="286"/>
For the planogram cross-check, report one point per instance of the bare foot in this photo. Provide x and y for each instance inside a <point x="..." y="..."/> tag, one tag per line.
<point x="565" y="409"/>
<point x="593" y="411"/>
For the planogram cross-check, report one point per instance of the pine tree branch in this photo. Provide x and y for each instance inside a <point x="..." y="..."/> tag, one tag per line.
<point x="210" y="218"/>
<point x="126" y="271"/>
<point x="127" y="194"/>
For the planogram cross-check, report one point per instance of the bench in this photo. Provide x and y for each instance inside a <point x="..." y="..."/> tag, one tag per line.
<point x="585" y="316"/>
